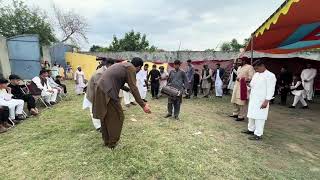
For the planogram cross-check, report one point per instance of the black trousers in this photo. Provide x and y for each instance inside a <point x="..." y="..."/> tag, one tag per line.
<point x="155" y="89"/>
<point x="284" y="94"/>
<point x="195" y="90"/>
<point x="174" y="104"/>
<point x="4" y="114"/>
<point x="64" y="88"/>
<point x="29" y="99"/>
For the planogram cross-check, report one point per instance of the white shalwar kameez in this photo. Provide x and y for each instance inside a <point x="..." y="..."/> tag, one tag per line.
<point x="218" y="84"/>
<point x="262" y="88"/>
<point x="141" y="83"/>
<point x="47" y="92"/>
<point x="128" y="97"/>
<point x="308" y="75"/>
<point x="87" y="104"/>
<point x="79" y="78"/>
<point x="298" y="94"/>
<point x="15" y="105"/>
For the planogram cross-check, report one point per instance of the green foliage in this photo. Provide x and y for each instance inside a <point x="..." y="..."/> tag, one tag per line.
<point x="132" y="41"/>
<point x="95" y="48"/>
<point x="233" y="45"/>
<point x="17" y="19"/>
<point x="226" y="47"/>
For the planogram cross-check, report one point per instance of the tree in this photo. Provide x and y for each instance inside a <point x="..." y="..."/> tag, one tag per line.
<point x="235" y="46"/>
<point x="132" y="41"/>
<point x="72" y="26"/>
<point x="17" y="19"/>
<point x="226" y="47"/>
<point x="95" y="48"/>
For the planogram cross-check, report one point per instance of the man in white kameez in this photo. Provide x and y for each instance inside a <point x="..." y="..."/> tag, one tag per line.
<point x="54" y="71"/>
<point x="163" y="78"/>
<point x="128" y="98"/>
<point x="47" y="92"/>
<point x="80" y="81"/>
<point x="142" y="76"/>
<point x="218" y="83"/>
<point x="15" y="105"/>
<point x="307" y="76"/>
<point x="262" y="88"/>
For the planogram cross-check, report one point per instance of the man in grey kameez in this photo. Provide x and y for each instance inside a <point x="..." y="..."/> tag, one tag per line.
<point x="177" y="79"/>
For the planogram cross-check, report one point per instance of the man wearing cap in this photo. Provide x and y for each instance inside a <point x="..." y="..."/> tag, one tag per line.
<point x="106" y="104"/>
<point x="177" y="79"/>
<point x="16" y="91"/>
<point x="15" y="105"/>
<point x="47" y="92"/>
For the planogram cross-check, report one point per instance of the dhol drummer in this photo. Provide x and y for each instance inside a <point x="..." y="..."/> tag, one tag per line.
<point x="177" y="79"/>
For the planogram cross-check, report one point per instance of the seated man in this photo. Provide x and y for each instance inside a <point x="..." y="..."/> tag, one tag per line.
<point x="53" y="84"/>
<point x="19" y="94"/>
<point x="15" y="106"/>
<point x="47" y="92"/>
<point x="58" y="81"/>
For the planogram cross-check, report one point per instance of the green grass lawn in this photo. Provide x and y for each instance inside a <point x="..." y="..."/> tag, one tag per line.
<point x="62" y="144"/>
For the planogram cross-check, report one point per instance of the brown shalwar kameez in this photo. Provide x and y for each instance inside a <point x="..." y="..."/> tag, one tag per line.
<point x="106" y="102"/>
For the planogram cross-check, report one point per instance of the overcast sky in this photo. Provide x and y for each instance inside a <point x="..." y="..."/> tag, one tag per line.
<point x="199" y="25"/>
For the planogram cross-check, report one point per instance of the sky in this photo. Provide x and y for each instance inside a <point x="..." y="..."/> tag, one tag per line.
<point x="198" y="25"/>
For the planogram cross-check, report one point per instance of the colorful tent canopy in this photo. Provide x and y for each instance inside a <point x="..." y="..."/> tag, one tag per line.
<point x="295" y="26"/>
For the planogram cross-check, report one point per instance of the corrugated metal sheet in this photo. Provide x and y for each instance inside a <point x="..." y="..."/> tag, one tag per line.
<point x="24" y="55"/>
<point x="57" y="53"/>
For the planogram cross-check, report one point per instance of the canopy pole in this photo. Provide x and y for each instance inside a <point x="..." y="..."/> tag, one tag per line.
<point x="252" y="37"/>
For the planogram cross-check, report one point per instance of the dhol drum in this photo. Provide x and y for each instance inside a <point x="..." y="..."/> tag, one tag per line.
<point x="171" y="91"/>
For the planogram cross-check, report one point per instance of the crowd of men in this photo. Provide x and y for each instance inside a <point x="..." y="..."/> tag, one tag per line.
<point x="253" y="90"/>
<point x="15" y="93"/>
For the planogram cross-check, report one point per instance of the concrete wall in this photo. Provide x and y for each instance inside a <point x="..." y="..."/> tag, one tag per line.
<point x="170" y="56"/>
<point x="5" y="68"/>
<point x="46" y="54"/>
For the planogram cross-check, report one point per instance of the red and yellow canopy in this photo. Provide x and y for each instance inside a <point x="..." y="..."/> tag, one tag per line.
<point x="295" y="26"/>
